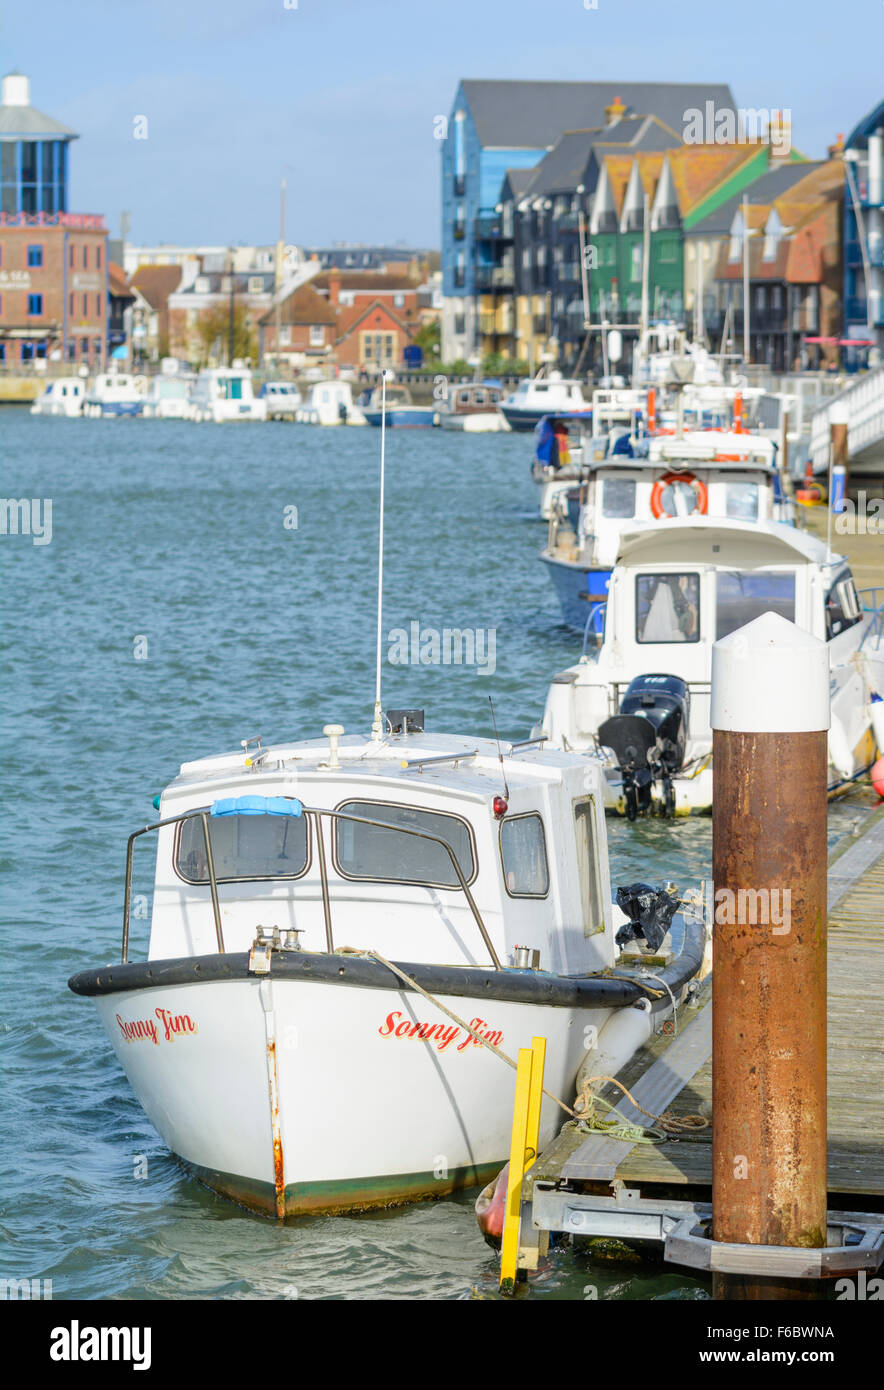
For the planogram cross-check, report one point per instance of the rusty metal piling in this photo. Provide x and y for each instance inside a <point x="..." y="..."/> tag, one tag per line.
<point x="770" y="713"/>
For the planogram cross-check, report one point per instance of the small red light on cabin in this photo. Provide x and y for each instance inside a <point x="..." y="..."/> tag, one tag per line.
<point x="499" y="806"/>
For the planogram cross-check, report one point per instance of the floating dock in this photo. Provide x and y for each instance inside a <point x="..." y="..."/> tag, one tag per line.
<point x="674" y="1072"/>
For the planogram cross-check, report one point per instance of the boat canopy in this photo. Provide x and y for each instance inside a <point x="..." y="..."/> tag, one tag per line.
<point x="699" y="540"/>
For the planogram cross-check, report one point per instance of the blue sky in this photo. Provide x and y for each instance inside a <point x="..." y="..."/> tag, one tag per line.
<point x="340" y="95"/>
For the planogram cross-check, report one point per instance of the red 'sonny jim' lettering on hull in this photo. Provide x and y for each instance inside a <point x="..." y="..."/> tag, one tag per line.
<point x="441" y="1035"/>
<point x="145" y="1029"/>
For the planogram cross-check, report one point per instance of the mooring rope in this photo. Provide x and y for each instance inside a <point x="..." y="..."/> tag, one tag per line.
<point x="614" y="1129"/>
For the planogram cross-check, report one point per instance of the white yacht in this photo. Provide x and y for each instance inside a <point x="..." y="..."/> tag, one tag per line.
<point x="330" y="403"/>
<point x="544" y="394"/>
<point x="712" y="473"/>
<point x="283" y="399"/>
<point x="115" y="394"/>
<point x="638" y="700"/>
<point x="168" y="397"/>
<point x="473" y="408"/>
<point x="339" y="927"/>
<point x="225" y="393"/>
<point x="63" y="396"/>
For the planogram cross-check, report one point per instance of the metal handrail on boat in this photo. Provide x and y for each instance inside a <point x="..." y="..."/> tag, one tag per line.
<point x="596" y="608"/>
<point x="315" y="812"/>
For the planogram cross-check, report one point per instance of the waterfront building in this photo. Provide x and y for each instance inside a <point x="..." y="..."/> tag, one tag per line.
<point x="501" y="126"/>
<point x="864" y="233"/>
<point x="306" y="322"/>
<point x="53" y="262"/>
<point x="795" y="271"/>
<point x="152" y="285"/>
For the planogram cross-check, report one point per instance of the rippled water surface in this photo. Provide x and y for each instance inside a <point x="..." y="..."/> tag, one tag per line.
<point x="174" y="533"/>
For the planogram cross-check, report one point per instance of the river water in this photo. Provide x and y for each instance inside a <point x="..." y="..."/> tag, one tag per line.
<point x="204" y="584"/>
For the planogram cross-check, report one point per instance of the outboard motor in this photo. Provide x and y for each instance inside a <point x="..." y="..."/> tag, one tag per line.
<point x="648" y="739"/>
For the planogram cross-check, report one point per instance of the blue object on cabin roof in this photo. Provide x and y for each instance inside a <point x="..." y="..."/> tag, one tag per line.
<point x="257" y="806"/>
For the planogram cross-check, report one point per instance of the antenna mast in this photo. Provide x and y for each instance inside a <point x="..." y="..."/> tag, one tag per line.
<point x="378" y="724"/>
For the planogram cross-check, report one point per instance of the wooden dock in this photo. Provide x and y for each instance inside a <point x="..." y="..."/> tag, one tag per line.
<point x="676" y="1072"/>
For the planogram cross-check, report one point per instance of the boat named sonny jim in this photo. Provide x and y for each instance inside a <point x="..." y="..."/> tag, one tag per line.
<point x="338" y="928"/>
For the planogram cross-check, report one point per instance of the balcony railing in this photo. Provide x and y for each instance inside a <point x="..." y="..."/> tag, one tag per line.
<point x="460" y="231"/>
<point x="568" y="222"/>
<point x="460" y="185"/>
<point x="488" y="227"/>
<point x="494" y="277"/>
<point x="568" y="270"/>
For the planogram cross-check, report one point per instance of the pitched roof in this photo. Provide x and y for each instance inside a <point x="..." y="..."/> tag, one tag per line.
<point x="156" y="283"/>
<point x="27" y="120"/>
<point x="367" y="280"/>
<point x="303" y="306"/>
<point x="351" y="316"/>
<point x="532" y="115"/>
<point x="698" y="169"/>
<point x="117" y="283"/>
<point x="764" y="190"/>
<point x="564" y="166"/>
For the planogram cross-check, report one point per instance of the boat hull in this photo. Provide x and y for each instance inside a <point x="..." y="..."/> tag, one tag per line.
<point x="329" y="1088"/>
<point x="404" y="418"/>
<point x="525" y="419"/>
<point x="573" y="583"/>
<point x="480" y="422"/>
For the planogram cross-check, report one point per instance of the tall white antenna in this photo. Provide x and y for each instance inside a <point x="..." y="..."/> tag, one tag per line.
<point x="378" y="723"/>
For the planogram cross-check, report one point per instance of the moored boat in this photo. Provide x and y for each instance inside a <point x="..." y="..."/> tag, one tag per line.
<point x="338" y="930"/>
<point x="63" y="396"/>
<point x="283" y="399"/>
<point x="473" y="409"/>
<point x="638" y="701"/>
<point x="544" y="394"/>
<point x="115" y="394"/>
<point x="225" y="393"/>
<point x="330" y="403"/>
<point x="401" y="412"/>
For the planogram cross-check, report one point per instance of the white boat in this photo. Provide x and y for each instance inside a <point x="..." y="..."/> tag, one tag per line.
<point x="330" y="403"/>
<point x="115" y="394"/>
<point x="638" y="702"/>
<point x="268" y="1035"/>
<point x="544" y="394"/>
<point x="473" y="409"/>
<point x="283" y="399"/>
<point x="712" y="473"/>
<point x="63" y="396"/>
<point x="225" y="393"/>
<point x="168" y="397"/>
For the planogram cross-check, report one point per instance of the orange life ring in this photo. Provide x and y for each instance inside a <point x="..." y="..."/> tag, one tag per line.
<point x="661" y="483"/>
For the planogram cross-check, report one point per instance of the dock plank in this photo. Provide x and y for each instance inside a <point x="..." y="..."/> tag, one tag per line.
<point x="855" y="1054"/>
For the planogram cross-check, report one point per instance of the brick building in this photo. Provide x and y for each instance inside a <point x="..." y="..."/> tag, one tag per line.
<point x="307" y="330"/>
<point x="53" y="263"/>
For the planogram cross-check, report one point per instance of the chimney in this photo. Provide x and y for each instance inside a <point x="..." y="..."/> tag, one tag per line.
<point x="836" y="151"/>
<point x="16" y="89"/>
<point x="614" y="111"/>
<point x="334" y="286"/>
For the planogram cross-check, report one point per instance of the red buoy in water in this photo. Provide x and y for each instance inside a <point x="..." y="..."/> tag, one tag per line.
<point x="878" y="777"/>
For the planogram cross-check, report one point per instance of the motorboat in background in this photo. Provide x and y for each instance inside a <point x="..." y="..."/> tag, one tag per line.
<point x="544" y="394"/>
<point x="63" y="396"/>
<point x="401" y="412"/>
<point x="115" y="394"/>
<point x="168" y="396"/>
<point x="225" y="393"/>
<point x="283" y="399"/>
<point x="330" y="403"/>
<point x="304" y="891"/>
<point x="639" y="700"/>
<point x="704" y="473"/>
<point x="473" y="408"/>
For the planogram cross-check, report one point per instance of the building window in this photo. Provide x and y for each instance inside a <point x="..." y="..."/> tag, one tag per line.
<point x="98" y="306"/>
<point x="317" y="335"/>
<point x="71" y="309"/>
<point x="35" y="256"/>
<point x="399" y="301"/>
<point x="98" y="258"/>
<point x="636" y="270"/>
<point x="85" y="306"/>
<point x="285" y="335"/>
<point x="71" y="256"/>
<point x="35" y="305"/>
<point x="85" y="257"/>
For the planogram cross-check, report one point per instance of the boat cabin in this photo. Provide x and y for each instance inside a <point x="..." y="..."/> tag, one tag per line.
<point x="315" y="837"/>
<point x="473" y="400"/>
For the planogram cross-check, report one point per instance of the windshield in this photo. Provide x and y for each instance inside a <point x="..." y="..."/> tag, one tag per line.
<point x="667" y="608"/>
<point x="742" y="595"/>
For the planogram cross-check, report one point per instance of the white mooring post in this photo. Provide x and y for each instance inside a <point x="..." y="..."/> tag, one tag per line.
<point x="769" y="716"/>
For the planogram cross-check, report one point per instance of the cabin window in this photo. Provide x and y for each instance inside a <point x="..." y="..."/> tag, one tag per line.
<point x="588" y="868"/>
<point x="667" y="608"/>
<point x="523" y="855"/>
<point x="463" y="397"/>
<point x="230" y="388"/>
<point x="618" y="497"/>
<point x="741" y="501"/>
<point x="742" y="596"/>
<point x="843" y="608"/>
<point x="479" y="398"/>
<point x="243" y="847"/>
<point x="373" y="852"/>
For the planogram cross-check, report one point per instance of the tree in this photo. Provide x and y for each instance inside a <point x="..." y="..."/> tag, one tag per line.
<point x="213" y="331"/>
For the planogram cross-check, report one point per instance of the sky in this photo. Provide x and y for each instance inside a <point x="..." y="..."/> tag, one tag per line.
<point x="339" y="96"/>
